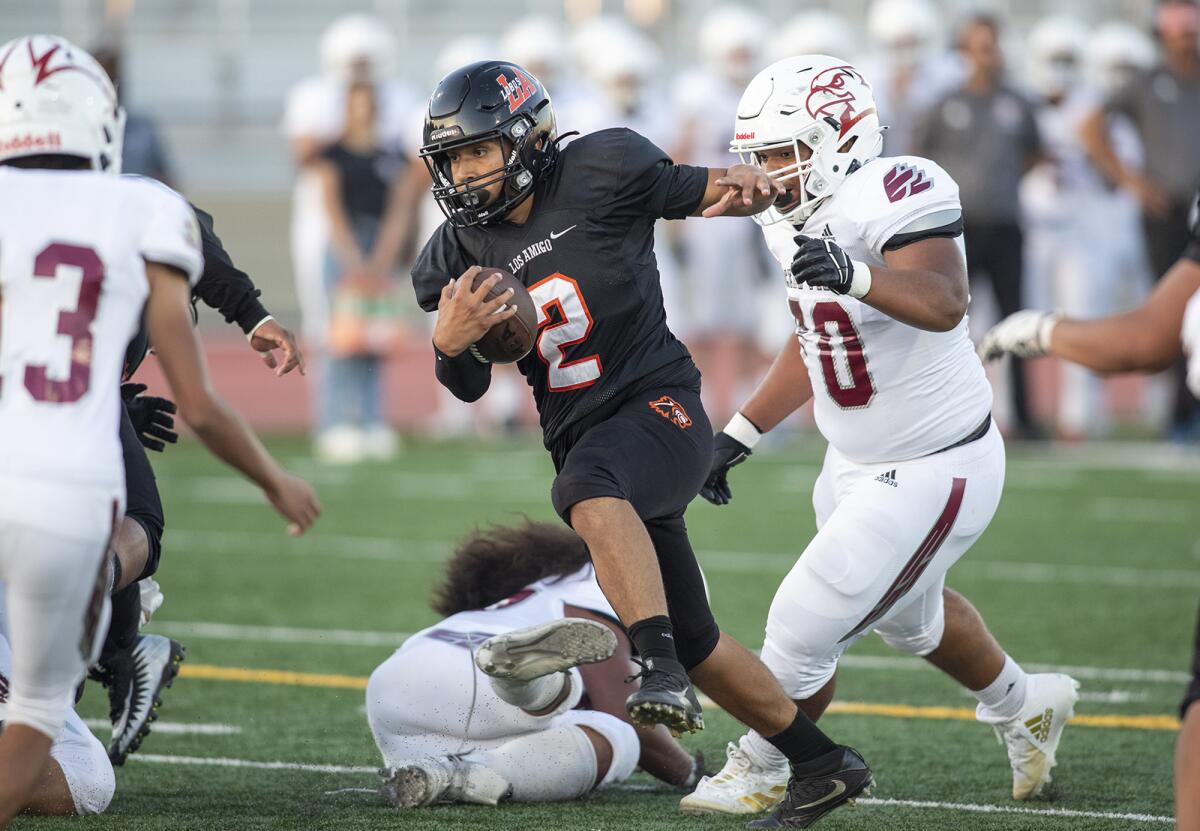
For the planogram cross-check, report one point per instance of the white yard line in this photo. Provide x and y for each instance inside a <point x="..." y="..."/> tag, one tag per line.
<point x="1083" y="673"/>
<point x="276" y="634"/>
<point x="219" y="762"/>
<point x="179" y="728"/>
<point x="970" y="808"/>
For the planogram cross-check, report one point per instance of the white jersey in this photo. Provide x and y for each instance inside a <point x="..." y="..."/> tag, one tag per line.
<point x="1191" y="342"/>
<point x="883" y="390"/>
<point x="536" y="603"/>
<point x="73" y="252"/>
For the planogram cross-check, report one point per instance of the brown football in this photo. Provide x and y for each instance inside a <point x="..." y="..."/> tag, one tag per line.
<point x="509" y="340"/>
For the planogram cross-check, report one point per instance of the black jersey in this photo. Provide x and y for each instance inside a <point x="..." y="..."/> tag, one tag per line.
<point x="586" y="254"/>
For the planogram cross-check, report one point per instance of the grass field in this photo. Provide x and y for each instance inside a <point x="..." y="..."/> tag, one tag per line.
<point x="1092" y="563"/>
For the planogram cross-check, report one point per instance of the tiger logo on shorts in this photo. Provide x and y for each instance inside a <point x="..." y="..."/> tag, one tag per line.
<point x="669" y="408"/>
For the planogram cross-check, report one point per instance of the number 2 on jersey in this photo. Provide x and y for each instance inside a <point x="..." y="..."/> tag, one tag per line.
<point x="75" y="324"/>
<point x="563" y="321"/>
<point x="834" y="328"/>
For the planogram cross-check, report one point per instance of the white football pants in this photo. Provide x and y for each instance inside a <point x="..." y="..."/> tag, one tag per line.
<point x="887" y="534"/>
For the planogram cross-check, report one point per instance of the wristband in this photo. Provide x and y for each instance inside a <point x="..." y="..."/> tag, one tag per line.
<point x="257" y="326"/>
<point x="1045" y="328"/>
<point x="860" y="281"/>
<point x="742" y="429"/>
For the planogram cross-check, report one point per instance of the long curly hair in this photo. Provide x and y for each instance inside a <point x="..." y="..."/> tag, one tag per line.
<point x="493" y="563"/>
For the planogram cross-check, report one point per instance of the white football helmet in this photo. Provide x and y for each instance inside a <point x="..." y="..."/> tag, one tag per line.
<point x="731" y="38"/>
<point x="358" y="43"/>
<point x="537" y="44"/>
<point x="814" y="31"/>
<point x="907" y="30"/>
<point x="1115" y="52"/>
<point x="817" y="102"/>
<point x="56" y="99"/>
<point x="1055" y="56"/>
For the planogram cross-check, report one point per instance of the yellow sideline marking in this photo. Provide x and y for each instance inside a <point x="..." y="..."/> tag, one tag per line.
<point x="858" y="708"/>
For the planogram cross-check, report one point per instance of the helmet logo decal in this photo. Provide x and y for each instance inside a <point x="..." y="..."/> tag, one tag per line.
<point x="517" y="91"/>
<point x="43" y="63"/>
<point x="835" y="93"/>
<point x="905" y="180"/>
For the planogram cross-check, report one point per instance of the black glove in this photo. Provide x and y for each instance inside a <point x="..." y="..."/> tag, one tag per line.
<point x="152" y="417"/>
<point x="727" y="452"/>
<point x="822" y="264"/>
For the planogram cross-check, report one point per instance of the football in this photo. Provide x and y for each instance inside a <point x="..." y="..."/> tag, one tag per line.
<point x="509" y="340"/>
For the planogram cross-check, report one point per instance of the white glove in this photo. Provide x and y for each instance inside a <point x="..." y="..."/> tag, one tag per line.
<point x="1025" y="334"/>
<point x="1191" y="342"/>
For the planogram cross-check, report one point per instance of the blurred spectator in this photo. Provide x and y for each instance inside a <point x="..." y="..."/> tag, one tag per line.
<point x="143" y="152"/>
<point x="1164" y="106"/>
<point x="538" y="44"/>
<point x="356" y="47"/>
<point x="984" y="133"/>
<point x="911" y="70"/>
<point x="724" y="260"/>
<point x="1066" y="267"/>
<point x="362" y="190"/>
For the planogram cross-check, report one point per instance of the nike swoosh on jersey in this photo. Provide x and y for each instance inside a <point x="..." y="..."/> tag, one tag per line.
<point x="839" y="788"/>
<point x="557" y="234"/>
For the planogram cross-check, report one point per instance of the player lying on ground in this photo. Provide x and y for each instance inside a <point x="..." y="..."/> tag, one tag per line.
<point x="1149" y="338"/>
<point x="134" y="668"/>
<point x="78" y="777"/>
<point x="618" y="395"/>
<point x="519" y="693"/>
<point x="871" y="251"/>
<point x="69" y="311"/>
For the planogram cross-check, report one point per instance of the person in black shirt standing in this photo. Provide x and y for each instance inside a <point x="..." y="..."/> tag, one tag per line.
<point x="362" y="190"/>
<point x="617" y="393"/>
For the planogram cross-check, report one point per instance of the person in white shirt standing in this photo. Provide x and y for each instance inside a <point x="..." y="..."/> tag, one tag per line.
<point x="872" y="254"/>
<point x="81" y="254"/>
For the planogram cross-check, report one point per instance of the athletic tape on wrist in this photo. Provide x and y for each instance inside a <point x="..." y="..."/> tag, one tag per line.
<point x="1045" y="329"/>
<point x="860" y="282"/>
<point x="742" y="429"/>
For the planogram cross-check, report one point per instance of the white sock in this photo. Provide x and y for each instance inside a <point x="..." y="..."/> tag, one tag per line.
<point x="547" y="766"/>
<point x="1003" y="698"/>
<point x="531" y="696"/>
<point x="762" y="752"/>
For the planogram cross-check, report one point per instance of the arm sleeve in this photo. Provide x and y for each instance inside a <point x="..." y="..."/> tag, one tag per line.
<point x="222" y="285"/>
<point x="464" y="375"/>
<point x="172" y="235"/>
<point x="634" y="178"/>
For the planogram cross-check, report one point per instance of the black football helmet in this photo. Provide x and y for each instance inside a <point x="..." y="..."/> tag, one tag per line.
<point x="482" y="101"/>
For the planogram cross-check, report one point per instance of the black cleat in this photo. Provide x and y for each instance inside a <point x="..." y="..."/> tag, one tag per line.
<point x="666" y="697"/>
<point x="811" y="796"/>
<point x="135" y="680"/>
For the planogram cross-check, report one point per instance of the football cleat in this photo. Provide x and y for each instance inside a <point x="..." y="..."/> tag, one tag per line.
<point x="545" y="648"/>
<point x="1032" y="736"/>
<point x="811" y="796"/>
<point x="442" y="779"/>
<point x="665" y="697"/>
<point x="135" y="680"/>
<point x="741" y="787"/>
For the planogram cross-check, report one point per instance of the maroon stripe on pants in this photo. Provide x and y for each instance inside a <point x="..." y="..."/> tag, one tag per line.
<point x="919" y="561"/>
<point x="91" y="615"/>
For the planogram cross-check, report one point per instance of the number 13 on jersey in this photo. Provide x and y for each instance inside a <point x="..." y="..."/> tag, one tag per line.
<point x="563" y="321"/>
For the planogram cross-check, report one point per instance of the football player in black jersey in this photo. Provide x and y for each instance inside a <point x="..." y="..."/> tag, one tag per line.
<point x="1150" y="338"/>
<point x="617" y="393"/>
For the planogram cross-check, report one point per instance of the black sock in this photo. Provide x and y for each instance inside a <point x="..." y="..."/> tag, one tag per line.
<point x="802" y="741"/>
<point x="126" y="615"/>
<point x="654" y="638"/>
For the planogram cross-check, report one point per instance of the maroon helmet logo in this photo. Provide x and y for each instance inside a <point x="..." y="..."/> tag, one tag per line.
<point x="905" y="180"/>
<point x="835" y="93"/>
<point x="517" y="91"/>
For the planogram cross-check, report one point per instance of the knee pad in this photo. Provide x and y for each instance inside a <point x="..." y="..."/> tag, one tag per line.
<point x="626" y="749"/>
<point x="919" y="641"/>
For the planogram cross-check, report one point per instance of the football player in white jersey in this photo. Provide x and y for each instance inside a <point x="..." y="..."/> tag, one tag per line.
<point x="1149" y="338"/>
<point x="81" y="255"/>
<point x="872" y="254"/>
<point x="485" y="704"/>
